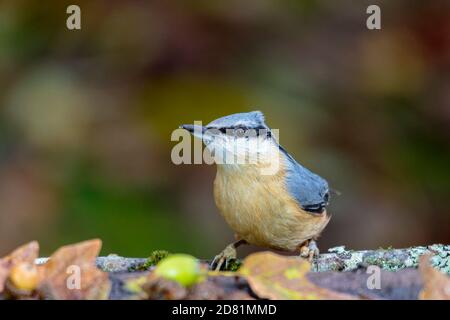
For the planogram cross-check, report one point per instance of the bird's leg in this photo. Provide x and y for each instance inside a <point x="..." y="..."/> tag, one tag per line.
<point x="228" y="254"/>
<point x="309" y="250"/>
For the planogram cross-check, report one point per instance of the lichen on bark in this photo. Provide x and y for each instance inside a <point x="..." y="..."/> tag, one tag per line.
<point x="340" y="259"/>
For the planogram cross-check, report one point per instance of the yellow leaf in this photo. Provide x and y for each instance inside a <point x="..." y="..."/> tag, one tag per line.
<point x="24" y="255"/>
<point x="273" y="276"/>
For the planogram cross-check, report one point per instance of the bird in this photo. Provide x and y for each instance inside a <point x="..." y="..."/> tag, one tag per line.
<point x="283" y="208"/>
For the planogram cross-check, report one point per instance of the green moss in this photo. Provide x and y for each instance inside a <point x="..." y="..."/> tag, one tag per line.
<point x="155" y="257"/>
<point x="233" y="265"/>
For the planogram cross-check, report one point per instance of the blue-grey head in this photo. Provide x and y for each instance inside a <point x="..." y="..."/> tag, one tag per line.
<point x="239" y="138"/>
<point x="245" y="120"/>
<point x="233" y="127"/>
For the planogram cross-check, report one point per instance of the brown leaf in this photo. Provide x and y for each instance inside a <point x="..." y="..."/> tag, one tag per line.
<point x="59" y="275"/>
<point x="216" y="286"/>
<point x="158" y="288"/>
<point x="436" y="285"/>
<point x="277" y="277"/>
<point x="220" y="287"/>
<point x="24" y="255"/>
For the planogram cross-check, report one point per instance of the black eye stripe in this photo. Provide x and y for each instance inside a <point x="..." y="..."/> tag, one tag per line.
<point x="243" y="129"/>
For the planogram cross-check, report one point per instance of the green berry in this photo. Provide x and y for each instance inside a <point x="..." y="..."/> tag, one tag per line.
<point x="182" y="268"/>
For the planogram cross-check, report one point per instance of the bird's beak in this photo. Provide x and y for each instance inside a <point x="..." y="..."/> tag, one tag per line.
<point x="196" y="130"/>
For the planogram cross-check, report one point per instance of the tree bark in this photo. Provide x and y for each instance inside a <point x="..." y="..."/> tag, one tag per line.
<point x="336" y="259"/>
<point x="340" y="259"/>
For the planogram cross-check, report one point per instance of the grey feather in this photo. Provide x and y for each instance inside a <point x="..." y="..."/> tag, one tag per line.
<point x="248" y="119"/>
<point x="309" y="189"/>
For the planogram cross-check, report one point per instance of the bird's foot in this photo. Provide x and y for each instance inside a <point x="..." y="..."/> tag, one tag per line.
<point x="309" y="250"/>
<point x="227" y="255"/>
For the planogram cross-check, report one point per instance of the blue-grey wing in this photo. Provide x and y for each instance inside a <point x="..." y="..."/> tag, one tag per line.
<point x="309" y="189"/>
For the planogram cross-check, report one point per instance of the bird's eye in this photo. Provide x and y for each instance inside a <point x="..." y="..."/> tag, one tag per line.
<point x="239" y="132"/>
<point x="326" y="197"/>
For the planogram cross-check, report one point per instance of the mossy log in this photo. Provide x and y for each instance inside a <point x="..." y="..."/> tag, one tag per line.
<point x="338" y="269"/>
<point x="336" y="259"/>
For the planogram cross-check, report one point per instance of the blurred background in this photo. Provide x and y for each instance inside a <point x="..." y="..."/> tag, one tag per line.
<point x="86" y="116"/>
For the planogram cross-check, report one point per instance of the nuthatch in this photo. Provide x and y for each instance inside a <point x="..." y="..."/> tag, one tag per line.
<point x="283" y="210"/>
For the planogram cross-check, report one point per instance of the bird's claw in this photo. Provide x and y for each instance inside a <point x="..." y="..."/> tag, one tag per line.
<point x="309" y="250"/>
<point x="227" y="255"/>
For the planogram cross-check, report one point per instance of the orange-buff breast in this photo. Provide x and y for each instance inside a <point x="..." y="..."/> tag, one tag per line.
<point x="259" y="208"/>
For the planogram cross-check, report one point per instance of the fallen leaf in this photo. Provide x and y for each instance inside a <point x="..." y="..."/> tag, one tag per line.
<point x="24" y="255"/>
<point x="158" y="288"/>
<point x="221" y="287"/>
<point x="277" y="277"/>
<point x="24" y="277"/>
<point x="71" y="273"/>
<point x="212" y="287"/>
<point x="436" y="284"/>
